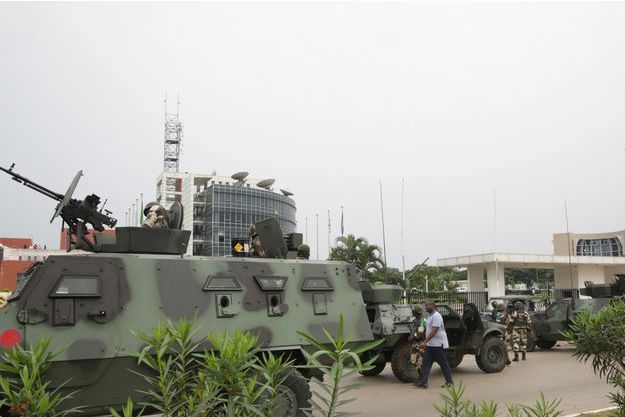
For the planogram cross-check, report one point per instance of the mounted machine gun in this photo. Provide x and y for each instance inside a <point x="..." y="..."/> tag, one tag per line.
<point x="77" y="214"/>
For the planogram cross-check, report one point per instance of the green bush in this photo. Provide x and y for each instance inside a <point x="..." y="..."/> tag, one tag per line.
<point x="232" y="379"/>
<point x="456" y="405"/>
<point x="335" y="362"/>
<point x="601" y="337"/>
<point x="24" y="390"/>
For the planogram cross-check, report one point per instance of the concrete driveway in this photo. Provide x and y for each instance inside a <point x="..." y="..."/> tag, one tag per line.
<point x="554" y="372"/>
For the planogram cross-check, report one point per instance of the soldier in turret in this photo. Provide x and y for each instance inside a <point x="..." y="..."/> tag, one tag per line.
<point x="519" y="327"/>
<point x="156" y="216"/>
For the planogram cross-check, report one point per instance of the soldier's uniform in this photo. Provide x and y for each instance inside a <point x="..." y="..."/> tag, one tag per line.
<point x="519" y="326"/>
<point x="417" y="335"/>
<point x="501" y="316"/>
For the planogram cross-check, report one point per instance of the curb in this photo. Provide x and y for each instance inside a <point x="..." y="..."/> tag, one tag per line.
<point x="591" y="411"/>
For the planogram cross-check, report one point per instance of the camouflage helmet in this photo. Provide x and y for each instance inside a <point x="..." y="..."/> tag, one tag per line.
<point x="148" y="206"/>
<point x="501" y="307"/>
<point x="518" y="305"/>
<point x="252" y="230"/>
<point x="416" y="309"/>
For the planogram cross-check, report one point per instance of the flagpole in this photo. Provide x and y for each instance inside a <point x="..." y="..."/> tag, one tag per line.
<point x="403" y="255"/>
<point x="141" y="211"/>
<point x="496" y="246"/>
<point x="317" y="239"/>
<point x="136" y="219"/>
<point x="568" y="245"/>
<point x="329" y="232"/>
<point x="342" y="223"/>
<point x="383" y="231"/>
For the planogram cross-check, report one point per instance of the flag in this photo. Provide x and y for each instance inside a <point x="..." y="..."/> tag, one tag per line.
<point x="342" y="223"/>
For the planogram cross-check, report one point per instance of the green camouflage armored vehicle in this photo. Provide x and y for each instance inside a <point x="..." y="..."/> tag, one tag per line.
<point x="549" y="325"/>
<point x="467" y="334"/>
<point x="90" y="301"/>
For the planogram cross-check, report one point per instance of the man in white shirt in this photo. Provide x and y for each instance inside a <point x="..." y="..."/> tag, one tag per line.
<point x="435" y="346"/>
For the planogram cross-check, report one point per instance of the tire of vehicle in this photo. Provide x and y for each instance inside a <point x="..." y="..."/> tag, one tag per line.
<point x="377" y="368"/>
<point x="454" y="362"/>
<point x="492" y="357"/>
<point x="545" y="344"/>
<point x="531" y="344"/>
<point x="402" y="368"/>
<point x="294" y="395"/>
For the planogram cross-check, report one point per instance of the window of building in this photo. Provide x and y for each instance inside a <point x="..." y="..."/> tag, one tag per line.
<point x="599" y="247"/>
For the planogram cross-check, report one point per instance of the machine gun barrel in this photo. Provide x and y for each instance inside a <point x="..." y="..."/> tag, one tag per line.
<point x="32" y="184"/>
<point x="75" y="213"/>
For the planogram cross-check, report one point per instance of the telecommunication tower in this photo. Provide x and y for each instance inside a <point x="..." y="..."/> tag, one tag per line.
<point x="173" y="139"/>
<point x="171" y="154"/>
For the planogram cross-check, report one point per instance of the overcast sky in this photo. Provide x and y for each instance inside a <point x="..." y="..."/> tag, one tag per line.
<point x="329" y="99"/>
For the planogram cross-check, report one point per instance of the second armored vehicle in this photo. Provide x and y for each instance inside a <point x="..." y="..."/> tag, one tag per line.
<point x="468" y="334"/>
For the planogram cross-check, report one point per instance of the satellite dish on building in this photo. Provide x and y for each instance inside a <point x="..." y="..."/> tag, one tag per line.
<point x="240" y="176"/>
<point x="266" y="183"/>
<point x="287" y="193"/>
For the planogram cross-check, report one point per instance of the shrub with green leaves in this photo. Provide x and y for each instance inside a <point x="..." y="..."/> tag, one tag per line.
<point x="336" y="360"/>
<point x="456" y="405"/>
<point x="600" y="337"/>
<point x="231" y="379"/>
<point x="24" y="388"/>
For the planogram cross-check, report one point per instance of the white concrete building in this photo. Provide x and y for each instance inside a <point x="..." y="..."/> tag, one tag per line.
<point x="594" y="257"/>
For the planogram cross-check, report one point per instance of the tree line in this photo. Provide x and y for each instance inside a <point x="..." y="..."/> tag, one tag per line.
<point x="368" y="258"/>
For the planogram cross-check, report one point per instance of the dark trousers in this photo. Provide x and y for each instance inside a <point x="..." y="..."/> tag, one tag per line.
<point x="438" y="355"/>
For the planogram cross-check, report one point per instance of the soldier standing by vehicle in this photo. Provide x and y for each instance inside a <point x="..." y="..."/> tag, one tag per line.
<point x="501" y="316"/>
<point x="519" y="327"/>
<point x="417" y="335"/>
<point x="434" y="346"/>
<point x="493" y="311"/>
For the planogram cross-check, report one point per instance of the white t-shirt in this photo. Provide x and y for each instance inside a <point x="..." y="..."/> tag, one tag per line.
<point x="440" y="338"/>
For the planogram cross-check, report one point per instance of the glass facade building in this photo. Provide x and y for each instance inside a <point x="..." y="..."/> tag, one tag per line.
<point x="222" y="212"/>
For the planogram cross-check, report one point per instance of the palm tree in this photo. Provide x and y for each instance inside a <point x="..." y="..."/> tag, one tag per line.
<point x="357" y="250"/>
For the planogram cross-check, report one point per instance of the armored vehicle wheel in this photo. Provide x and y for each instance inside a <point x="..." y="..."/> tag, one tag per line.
<point x="294" y="395"/>
<point x="377" y="368"/>
<point x="545" y="344"/>
<point x="455" y="361"/>
<point x="492" y="357"/>
<point x="403" y="369"/>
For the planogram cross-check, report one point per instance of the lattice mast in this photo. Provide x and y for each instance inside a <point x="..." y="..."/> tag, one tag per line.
<point x="171" y="151"/>
<point x="173" y="139"/>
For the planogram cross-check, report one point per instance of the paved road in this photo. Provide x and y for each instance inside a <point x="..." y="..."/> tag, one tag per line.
<point x="554" y="372"/>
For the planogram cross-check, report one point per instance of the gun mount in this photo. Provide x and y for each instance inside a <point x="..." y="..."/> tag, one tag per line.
<point x="77" y="214"/>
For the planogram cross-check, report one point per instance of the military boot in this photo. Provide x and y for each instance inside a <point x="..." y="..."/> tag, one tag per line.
<point x="516" y="357"/>
<point x="523" y="355"/>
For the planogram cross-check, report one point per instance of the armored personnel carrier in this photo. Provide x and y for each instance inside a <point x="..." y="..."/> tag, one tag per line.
<point x="89" y="301"/>
<point x="549" y="325"/>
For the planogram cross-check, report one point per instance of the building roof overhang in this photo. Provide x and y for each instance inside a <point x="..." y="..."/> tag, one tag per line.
<point x="528" y="260"/>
